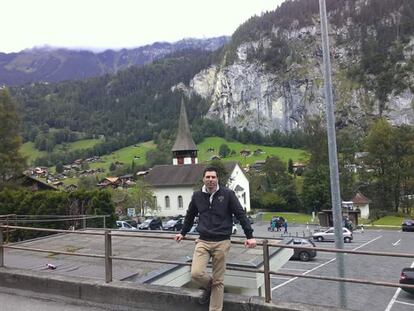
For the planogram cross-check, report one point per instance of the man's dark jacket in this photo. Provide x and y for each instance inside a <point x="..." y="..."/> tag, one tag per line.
<point x="215" y="220"/>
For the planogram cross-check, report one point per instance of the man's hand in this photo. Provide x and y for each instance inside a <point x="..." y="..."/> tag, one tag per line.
<point x="178" y="237"/>
<point x="250" y="243"/>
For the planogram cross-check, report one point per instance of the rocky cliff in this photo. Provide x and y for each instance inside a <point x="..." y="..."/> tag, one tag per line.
<point x="248" y="93"/>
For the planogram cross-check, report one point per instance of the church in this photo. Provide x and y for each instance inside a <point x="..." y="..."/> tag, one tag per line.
<point x="174" y="184"/>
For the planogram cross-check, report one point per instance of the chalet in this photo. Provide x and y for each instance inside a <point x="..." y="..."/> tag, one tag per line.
<point x="245" y="153"/>
<point x="173" y="185"/>
<point x="258" y="165"/>
<point x="35" y="184"/>
<point x="113" y="182"/>
<point x="215" y="157"/>
<point x="298" y="166"/>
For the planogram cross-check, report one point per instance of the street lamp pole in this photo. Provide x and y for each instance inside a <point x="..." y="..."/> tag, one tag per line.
<point x="333" y="160"/>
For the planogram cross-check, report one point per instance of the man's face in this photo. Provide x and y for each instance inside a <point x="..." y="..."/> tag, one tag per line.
<point x="210" y="180"/>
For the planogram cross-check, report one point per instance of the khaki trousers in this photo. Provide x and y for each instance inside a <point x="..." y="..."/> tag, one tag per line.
<point x="218" y="252"/>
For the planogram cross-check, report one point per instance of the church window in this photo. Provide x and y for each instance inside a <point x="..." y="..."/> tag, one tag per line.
<point x="167" y="201"/>
<point x="180" y="202"/>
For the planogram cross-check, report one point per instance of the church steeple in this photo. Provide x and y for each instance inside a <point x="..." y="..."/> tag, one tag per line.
<point x="184" y="149"/>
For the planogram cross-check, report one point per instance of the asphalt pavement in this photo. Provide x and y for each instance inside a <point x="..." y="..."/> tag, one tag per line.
<point x="351" y="296"/>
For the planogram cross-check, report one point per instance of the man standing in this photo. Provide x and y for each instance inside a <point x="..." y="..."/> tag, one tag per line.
<point x="215" y="207"/>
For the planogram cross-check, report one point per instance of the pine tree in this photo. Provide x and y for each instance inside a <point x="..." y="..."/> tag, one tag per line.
<point x="12" y="163"/>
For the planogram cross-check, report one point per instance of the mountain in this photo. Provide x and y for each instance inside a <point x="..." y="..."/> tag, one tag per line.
<point x="54" y="65"/>
<point x="267" y="78"/>
<point x="270" y="75"/>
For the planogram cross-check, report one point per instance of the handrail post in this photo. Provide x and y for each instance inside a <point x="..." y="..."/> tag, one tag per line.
<point x="7" y="230"/>
<point x="266" y="266"/>
<point x="108" y="254"/>
<point x="104" y="221"/>
<point x="1" y="248"/>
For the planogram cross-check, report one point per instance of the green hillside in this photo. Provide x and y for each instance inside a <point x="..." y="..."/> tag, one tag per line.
<point x="28" y="149"/>
<point x="126" y="155"/>
<point x="215" y="142"/>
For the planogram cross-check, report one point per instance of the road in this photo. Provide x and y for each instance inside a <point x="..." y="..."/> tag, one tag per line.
<point x="357" y="297"/>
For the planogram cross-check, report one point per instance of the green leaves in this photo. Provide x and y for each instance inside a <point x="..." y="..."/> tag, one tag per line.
<point x="12" y="163"/>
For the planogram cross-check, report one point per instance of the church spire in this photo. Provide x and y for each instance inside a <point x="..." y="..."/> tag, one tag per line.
<point x="184" y="149"/>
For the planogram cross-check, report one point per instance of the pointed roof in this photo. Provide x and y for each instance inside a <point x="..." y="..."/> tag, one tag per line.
<point x="180" y="175"/>
<point x="359" y="198"/>
<point x="184" y="140"/>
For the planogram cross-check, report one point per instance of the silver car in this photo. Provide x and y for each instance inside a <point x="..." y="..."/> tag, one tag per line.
<point x="329" y="235"/>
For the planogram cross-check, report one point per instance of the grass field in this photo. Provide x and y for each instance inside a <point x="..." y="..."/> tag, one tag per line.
<point x="391" y="222"/>
<point x="215" y="142"/>
<point x="29" y="151"/>
<point x="126" y="155"/>
<point x="293" y="218"/>
<point x="77" y="145"/>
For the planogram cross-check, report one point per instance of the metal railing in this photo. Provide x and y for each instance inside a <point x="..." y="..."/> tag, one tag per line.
<point x="264" y="242"/>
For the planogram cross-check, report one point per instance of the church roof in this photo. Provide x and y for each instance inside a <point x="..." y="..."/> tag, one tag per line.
<point x="184" y="140"/>
<point x="179" y="175"/>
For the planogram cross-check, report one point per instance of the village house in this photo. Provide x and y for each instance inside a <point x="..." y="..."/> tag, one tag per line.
<point x="174" y="184"/>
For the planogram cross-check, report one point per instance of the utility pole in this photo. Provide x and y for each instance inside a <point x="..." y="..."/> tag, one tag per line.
<point x="333" y="159"/>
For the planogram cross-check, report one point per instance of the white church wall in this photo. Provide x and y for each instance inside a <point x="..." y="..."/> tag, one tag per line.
<point x="173" y="193"/>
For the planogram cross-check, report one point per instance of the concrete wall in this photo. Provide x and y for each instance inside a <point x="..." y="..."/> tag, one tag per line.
<point x="133" y="295"/>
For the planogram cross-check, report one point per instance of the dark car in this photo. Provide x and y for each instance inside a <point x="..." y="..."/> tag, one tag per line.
<point x="151" y="224"/>
<point x="173" y="224"/>
<point x="407" y="225"/>
<point x="407" y="277"/>
<point x="305" y="253"/>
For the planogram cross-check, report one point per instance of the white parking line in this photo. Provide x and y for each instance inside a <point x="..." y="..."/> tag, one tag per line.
<point x="362" y="245"/>
<point x="394" y="298"/>
<point x="291" y="280"/>
<point x="321" y="265"/>
<point x="404" y="303"/>
<point x="396" y="243"/>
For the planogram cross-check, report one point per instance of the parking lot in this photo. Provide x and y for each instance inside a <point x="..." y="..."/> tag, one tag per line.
<point x="355" y="296"/>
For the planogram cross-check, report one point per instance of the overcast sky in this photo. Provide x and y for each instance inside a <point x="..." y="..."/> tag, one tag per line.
<point x="100" y="24"/>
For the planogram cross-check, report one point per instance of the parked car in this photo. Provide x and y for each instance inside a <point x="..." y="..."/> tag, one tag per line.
<point x="306" y="253"/>
<point x="173" y="224"/>
<point x="329" y="235"/>
<point x="151" y="224"/>
<point x="407" y="277"/>
<point x="132" y="222"/>
<point x="123" y="225"/>
<point x="407" y="225"/>
<point x="194" y="228"/>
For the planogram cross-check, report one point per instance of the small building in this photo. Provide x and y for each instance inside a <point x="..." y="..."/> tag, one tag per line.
<point x="361" y="203"/>
<point x="35" y="184"/>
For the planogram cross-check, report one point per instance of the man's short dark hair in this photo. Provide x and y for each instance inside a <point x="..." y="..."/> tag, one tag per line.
<point x="210" y="169"/>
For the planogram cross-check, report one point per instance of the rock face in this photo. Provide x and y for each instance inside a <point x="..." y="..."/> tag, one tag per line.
<point x="246" y="94"/>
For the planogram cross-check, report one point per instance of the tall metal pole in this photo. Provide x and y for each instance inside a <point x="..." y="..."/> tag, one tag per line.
<point x="1" y="248"/>
<point x="333" y="160"/>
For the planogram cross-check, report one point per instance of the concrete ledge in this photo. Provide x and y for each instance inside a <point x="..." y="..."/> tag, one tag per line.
<point x="133" y="295"/>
